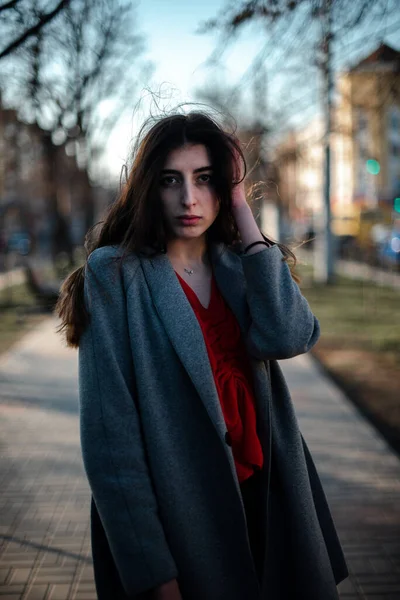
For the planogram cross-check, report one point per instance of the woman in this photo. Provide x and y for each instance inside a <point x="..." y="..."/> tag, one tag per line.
<point x="203" y="488"/>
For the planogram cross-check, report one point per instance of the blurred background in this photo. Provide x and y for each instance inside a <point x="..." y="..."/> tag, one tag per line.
<point x="313" y="87"/>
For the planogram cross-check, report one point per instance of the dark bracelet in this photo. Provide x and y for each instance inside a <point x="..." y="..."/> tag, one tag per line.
<point x="255" y="243"/>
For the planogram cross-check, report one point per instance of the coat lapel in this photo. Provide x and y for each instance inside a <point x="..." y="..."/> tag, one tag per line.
<point x="231" y="283"/>
<point x="184" y="331"/>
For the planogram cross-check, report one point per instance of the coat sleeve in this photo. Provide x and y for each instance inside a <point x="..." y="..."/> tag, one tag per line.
<point x="112" y="444"/>
<point x="282" y="323"/>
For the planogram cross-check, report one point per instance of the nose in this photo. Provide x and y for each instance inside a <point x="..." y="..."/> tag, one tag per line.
<point x="188" y="194"/>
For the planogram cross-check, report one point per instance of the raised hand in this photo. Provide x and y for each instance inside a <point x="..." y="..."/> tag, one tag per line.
<point x="238" y="190"/>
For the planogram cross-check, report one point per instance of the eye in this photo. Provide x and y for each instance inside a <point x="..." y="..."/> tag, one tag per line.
<point x="204" y="178"/>
<point x="169" y="180"/>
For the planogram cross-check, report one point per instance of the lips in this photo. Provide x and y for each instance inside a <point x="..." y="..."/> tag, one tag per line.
<point x="189" y="220"/>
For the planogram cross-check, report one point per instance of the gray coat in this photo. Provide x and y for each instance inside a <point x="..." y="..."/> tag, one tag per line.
<point x="153" y="434"/>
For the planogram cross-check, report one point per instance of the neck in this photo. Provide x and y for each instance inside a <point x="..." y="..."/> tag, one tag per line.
<point x="188" y="252"/>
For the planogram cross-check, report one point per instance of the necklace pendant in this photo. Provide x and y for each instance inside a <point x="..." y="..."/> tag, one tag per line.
<point x="189" y="271"/>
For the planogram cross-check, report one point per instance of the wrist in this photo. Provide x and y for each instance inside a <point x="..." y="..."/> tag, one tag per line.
<point x="247" y="226"/>
<point x="241" y="208"/>
<point x="256" y="247"/>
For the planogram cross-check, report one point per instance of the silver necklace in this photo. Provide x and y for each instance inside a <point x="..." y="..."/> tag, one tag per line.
<point x="188" y="271"/>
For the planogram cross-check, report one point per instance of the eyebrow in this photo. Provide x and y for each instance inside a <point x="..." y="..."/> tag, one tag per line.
<point x="175" y="172"/>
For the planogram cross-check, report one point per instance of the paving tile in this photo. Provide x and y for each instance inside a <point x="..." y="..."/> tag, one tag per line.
<point x="4" y="575"/>
<point x="20" y="575"/>
<point x="60" y="592"/>
<point x="58" y="577"/>
<point x="12" y="589"/>
<point x="38" y="592"/>
<point x="380" y="587"/>
<point x="347" y="587"/>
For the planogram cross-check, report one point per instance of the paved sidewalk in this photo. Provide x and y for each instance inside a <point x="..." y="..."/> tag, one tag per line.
<point x="357" y="270"/>
<point x="45" y="541"/>
<point x="44" y="499"/>
<point x="361" y="478"/>
<point x="10" y="278"/>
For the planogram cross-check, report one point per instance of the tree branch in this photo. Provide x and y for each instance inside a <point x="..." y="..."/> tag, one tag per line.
<point x="35" y="29"/>
<point x="9" y="5"/>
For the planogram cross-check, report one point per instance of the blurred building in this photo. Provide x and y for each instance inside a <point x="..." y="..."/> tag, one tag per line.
<point x="365" y="145"/>
<point x="368" y="120"/>
<point x="22" y="174"/>
<point x="44" y="194"/>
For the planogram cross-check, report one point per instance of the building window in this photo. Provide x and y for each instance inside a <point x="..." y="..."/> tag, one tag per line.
<point x="10" y="130"/>
<point x="394" y="121"/>
<point x="362" y="122"/>
<point x="363" y="142"/>
<point x="393" y="145"/>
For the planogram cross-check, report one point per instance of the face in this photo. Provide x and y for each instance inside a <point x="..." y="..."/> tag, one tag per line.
<point x="189" y="203"/>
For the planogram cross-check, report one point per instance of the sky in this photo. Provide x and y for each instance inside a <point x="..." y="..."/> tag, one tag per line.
<point x="179" y="55"/>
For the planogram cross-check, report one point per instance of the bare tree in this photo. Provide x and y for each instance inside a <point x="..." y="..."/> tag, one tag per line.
<point x="222" y="97"/>
<point x="23" y="20"/>
<point x="313" y="33"/>
<point x="75" y="77"/>
<point x="290" y="43"/>
<point x="348" y="14"/>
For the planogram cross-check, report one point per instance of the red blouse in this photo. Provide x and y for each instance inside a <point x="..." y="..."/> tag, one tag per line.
<point x="232" y="375"/>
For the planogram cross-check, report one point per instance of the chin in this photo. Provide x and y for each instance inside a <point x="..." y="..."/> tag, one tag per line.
<point x="189" y="233"/>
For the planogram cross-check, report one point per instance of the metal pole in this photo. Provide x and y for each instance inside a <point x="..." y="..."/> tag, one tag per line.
<point x="324" y="251"/>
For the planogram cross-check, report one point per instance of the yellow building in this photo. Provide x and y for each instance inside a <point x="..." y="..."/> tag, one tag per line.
<point x="368" y="121"/>
<point x="365" y="143"/>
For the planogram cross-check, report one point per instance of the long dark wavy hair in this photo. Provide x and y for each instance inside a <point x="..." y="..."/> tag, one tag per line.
<point x="135" y="222"/>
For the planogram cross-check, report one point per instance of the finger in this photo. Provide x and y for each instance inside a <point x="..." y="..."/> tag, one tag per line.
<point x="238" y="166"/>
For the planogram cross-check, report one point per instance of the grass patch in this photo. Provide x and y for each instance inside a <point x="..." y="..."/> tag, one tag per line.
<point x="18" y="314"/>
<point x="19" y="309"/>
<point x="357" y="313"/>
<point x="360" y="345"/>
